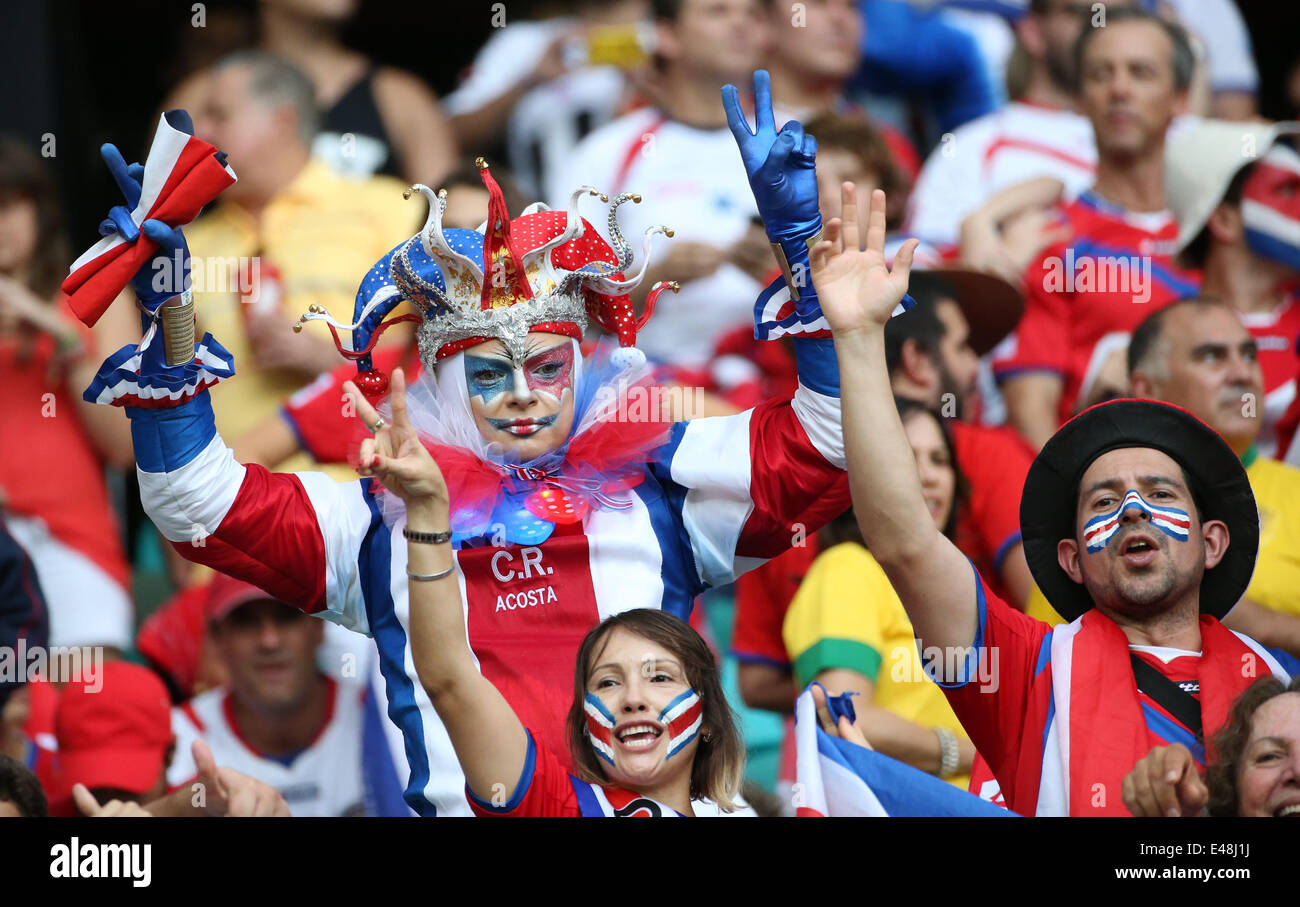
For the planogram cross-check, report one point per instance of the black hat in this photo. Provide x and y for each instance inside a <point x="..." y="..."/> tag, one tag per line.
<point x="1219" y="481"/>
<point x="991" y="306"/>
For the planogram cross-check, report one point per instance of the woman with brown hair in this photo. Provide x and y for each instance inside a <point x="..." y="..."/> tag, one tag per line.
<point x="1254" y="769"/>
<point x="649" y="729"/>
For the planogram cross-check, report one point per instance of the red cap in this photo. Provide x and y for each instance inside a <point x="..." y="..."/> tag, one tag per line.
<point x="225" y="594"/>
<point x="114" y="733"/>
<point x="172" y="636"/>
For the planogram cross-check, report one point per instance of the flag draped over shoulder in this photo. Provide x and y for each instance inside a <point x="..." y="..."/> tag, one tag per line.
<point x="839" y="778"/>
<point x="181" y="175"/>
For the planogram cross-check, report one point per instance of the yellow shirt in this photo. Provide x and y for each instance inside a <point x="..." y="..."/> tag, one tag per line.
<point x="1276" y="583"/>
<point x="847" y="615"/>
<point x="321" y="234"/>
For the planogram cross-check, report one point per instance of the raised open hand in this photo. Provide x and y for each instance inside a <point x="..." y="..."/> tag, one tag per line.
<point x="780" y="165"/>
<point x="395" y="455"/>
<point x="856" y="289"/>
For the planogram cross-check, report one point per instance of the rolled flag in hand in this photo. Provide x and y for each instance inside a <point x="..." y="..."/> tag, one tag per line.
<point x="181" y="175"/>
<point x="777" y="314"/>
<point x="839" y="778"/>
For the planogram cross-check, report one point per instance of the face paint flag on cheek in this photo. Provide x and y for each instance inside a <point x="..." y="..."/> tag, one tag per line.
<point x="682" y="717"/>
<point x="600" y="727"/>
<point x="1173" y="522"/>
<point x="1270" y="207"/>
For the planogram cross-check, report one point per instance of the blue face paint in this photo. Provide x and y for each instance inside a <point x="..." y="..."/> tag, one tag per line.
<point x="1099" y="530"/>
<point x="488" y="377"/>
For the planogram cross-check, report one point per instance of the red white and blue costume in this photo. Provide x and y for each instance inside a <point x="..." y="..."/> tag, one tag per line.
<point x="667" y="510"/>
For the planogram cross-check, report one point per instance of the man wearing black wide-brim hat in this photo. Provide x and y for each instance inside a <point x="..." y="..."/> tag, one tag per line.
<point x="1139" y="526"/>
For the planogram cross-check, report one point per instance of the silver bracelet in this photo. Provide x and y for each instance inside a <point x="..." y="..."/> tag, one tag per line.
<point x="949" y="754"/>
<point x="430" y="577"/>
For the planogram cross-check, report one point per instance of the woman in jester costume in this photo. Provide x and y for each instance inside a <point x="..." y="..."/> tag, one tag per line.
<point x="572" y="497"/>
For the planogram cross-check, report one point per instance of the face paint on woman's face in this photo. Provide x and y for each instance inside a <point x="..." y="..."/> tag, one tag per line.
<point x="527" y="407"/>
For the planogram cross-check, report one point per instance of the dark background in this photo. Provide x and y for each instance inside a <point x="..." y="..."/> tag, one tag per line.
<point x="90" y="71"/>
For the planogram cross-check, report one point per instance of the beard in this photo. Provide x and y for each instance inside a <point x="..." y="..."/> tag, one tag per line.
<point x="1149" y="592"/>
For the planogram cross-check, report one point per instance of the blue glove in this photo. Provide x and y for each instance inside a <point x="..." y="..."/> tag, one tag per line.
<point x="780" y="165"/>
<point x="161" y="277"/>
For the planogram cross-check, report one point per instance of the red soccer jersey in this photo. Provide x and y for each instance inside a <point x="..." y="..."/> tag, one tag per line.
<point x="40" y="416"/>
<point x="1035" y="697"/>
<point x="317" y="415"/>
<point x="545" y="788"/>
<point x="1085" y="296"/>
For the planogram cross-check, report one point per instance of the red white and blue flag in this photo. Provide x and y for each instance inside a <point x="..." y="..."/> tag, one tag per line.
<point x="838" y="778"/>
<point x="181" y="175"/>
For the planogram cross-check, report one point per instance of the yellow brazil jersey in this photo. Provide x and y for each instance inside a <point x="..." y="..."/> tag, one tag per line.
<point x="1276" y="583"/>
<point x="846" y="615"/>
<point x="320" y="236"/>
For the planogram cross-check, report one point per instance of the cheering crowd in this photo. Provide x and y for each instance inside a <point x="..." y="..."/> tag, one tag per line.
<point x="927" y="372"/>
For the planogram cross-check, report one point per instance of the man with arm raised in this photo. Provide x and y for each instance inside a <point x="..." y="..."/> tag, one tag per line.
<point x="1138" y="525"/>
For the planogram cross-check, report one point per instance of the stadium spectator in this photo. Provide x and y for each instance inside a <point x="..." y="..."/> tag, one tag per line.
<point x="1036" y="133"/>
<point x="20" y="793"/>
<point x="542" y="85"/>
<point x="47" y="358"/>
<point x="847" y="629"/>
<point x="373" y="119"/>
<point x="814" y="51"/>
<point x="291" y="232"/>
<point x="1138" y="525"/>
<point x="682" y="159"/>
<point x="1196" y="354"/>
<point x="1086" y="294"/>
<point x="1255" y="769"/>
<point x="280" y="719"/>
<point x="1235" y="189"/>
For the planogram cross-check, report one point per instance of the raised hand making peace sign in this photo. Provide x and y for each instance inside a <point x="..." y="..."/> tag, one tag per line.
<point x="395" y="455"/>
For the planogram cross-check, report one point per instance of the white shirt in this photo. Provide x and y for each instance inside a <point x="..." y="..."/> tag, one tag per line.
<point x="325" y="779"/>
<point x="692" y="181"/>
<point x="968" y="167"/>
<point x="550" y="119"/>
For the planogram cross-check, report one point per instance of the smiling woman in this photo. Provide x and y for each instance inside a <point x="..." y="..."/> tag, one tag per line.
<point x="649" y="729"/>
